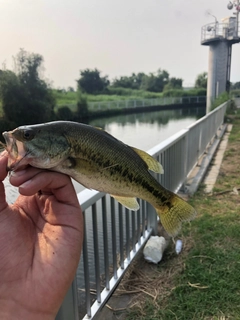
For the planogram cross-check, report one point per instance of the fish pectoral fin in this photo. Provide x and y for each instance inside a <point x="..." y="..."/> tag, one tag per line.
<point x="73" y="163"/>
<point x="152" y="163"/>
<point x="129" y="203"/>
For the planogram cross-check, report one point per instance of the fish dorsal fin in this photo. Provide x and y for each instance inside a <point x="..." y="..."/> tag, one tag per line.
<point x="129" y="203"/>
<point x="152" y="163"/>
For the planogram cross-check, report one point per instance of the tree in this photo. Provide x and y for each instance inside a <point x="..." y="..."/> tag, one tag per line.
<point x="201" y="81"/>
<point x="26" y="98"/>
<point x="132" y="82"/>
<point x="91" y="81"/>
<point x="235" y="86"/>
<point x="82" y="106"/>
<point x="123" y="82"/>
<point x="64" y="113"/>
<point x="174" y="83"/>
<point x="155" y="82"/>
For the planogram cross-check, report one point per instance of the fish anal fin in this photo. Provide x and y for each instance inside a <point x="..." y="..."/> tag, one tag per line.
<point x="129" y="203"/>
<point x="152" y="163"/>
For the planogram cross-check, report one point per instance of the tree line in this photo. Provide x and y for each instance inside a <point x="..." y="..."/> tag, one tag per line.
<point x="92" y="82"/>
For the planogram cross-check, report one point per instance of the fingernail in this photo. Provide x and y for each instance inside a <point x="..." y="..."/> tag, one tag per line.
<point x="26" y="184"/>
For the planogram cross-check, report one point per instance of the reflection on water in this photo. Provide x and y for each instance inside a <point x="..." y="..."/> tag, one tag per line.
<point x="145" y="130"/>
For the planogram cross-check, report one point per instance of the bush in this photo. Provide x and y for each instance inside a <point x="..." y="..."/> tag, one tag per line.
<point x="133" y="93"/>
<point x="235" y="93"/>
<point x="91" y="82"/>
<point x="82" y="107"/>
<point x="220" y="100"/>
<point x="184" y="93"/>
<point x="64" y="113"/>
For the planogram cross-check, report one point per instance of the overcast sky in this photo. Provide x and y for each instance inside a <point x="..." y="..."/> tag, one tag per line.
<point x="118" y="37"/>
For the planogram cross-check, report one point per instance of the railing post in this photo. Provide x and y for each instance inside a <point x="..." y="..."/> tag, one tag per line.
<point x="152" y="219"/>
<point x="186" y="155"/>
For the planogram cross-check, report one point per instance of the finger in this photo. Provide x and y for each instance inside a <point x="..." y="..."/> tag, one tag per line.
<point x="3" y="165"/>
<point x="19" y="177"/>
<point x="3" y="174"/>
<point x="48" y="182"/>
<point x="57" y="199"/>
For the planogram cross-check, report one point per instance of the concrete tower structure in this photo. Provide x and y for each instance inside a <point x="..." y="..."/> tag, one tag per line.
<point x="220" y="37"/>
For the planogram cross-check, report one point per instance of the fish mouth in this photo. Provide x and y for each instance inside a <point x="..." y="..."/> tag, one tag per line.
<point x="16" y="151"/>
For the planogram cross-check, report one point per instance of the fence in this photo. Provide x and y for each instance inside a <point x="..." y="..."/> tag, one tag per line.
<point x="136" y="103"/>
<point x="113" y="235"/>
<point x="220" y="31"/>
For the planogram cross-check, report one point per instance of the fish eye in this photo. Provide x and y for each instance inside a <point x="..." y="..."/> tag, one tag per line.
<point x="28" y="134"/>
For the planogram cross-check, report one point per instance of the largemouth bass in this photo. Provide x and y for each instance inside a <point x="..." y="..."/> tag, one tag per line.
<point x="98" y="161"/>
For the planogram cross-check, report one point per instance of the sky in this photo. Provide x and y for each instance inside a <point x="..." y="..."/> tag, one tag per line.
<point x="118" y="37"/>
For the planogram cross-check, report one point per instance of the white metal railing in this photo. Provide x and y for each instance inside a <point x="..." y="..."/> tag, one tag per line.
<point x="136" y="103"/>
<point x="113" y="235"/>
<point x="217" y="31"/>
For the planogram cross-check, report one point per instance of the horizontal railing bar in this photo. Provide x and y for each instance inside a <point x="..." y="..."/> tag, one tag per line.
<point x="168" y="142"/>
<point x="87" y="197"/>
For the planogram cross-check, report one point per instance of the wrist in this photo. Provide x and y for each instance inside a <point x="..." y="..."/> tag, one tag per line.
<point x="16" y="312"/>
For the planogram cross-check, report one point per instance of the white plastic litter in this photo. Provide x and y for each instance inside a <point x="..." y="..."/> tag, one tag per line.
<point x="178" y="246"/>
<point x="153" y="250"/>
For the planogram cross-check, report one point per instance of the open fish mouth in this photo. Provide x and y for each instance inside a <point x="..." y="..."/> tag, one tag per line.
<point x="16" y="151"/>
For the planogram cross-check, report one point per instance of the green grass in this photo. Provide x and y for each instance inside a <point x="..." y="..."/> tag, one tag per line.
<point x="205" y="283"/>
<point x="65" y="98"/>
<point x="209" y="286"/>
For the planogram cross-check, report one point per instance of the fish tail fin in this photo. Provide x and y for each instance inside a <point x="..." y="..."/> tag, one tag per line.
<point x="173" y="213"/>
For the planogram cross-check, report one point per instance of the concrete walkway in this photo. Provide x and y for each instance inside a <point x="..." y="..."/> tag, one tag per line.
<point x="213" y="171"/>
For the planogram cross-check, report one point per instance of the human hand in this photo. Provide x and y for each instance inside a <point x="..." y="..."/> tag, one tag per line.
<point x="41" y="237"/>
